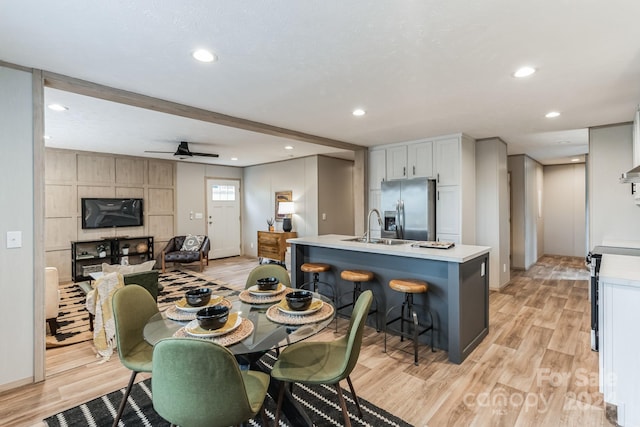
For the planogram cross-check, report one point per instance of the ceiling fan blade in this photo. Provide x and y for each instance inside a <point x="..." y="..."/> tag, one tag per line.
<point x="158" y="152"/>
<point x="204" y="154"/>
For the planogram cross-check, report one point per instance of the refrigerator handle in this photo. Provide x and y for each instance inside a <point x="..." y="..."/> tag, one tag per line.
<point x="400" y="234"/>
<point x="397" y="218"/>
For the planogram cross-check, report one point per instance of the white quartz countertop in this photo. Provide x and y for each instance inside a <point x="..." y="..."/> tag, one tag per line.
<point x="620" y="270"/>
<point x="458" y="254"/>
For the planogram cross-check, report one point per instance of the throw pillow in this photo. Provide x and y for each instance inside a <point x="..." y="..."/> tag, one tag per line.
<point x="192" y="243"/>
<point x="128" y="269"/>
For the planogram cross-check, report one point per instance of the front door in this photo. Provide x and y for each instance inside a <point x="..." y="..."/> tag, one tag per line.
<point x="223" y="217"/>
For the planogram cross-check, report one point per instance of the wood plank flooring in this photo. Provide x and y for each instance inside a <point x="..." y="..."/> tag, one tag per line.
<point x="535" y="368"/>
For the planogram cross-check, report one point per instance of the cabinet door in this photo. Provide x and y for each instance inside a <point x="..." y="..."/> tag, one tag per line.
<point x="448" y="210"/>
<point x="420" y="160"/>
<point x="447" y="161"/>
<point x="376" y="168"/>
<point x="397" y="162"/>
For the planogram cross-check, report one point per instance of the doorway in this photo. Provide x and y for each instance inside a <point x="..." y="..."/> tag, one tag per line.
<point x="223" y="217"/>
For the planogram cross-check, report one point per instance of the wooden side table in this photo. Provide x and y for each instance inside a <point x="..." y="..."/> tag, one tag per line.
<point x="273" y="244"/>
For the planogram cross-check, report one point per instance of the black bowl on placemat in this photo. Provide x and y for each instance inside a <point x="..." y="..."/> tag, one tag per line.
<point x="212" y="318"/>
<point x="198" y="297"/>
<point x="267" y="283"/>
<point x="299" y="300"/>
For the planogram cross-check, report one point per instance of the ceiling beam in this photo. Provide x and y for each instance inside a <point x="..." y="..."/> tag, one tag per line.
<point x="83" y="87"/>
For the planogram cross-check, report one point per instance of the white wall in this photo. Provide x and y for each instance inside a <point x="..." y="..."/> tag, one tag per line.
<point x="260" y="185"/>
<point x="565" y="210"/>
<point x="612" y="211"/>
<point x="492" y="207"/>
<point x="191" y="192"/>
<point x="17" y="214"/>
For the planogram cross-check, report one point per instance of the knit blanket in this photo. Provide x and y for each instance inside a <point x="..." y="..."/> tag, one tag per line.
<point x="99" y="303"/>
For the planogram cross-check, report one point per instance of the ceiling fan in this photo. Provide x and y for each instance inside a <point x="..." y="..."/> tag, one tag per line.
<point x="183" y="151"/>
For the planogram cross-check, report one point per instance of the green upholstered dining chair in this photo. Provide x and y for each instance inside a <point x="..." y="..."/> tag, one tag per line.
<point x="132" y="306"/>
<point x="268" y="270"/>
<point x="198" y="383"/>
<point x="316" y="362"/>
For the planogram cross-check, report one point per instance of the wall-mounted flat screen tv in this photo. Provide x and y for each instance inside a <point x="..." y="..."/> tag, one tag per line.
<point x="107" y="213"/>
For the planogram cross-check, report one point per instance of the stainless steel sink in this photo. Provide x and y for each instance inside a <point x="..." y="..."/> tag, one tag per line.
<point x="378" y="241"/>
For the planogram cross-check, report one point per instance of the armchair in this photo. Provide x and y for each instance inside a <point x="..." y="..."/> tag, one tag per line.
<point x="175" y="251"/>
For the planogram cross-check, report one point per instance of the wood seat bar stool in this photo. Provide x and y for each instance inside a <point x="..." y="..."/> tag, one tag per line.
<point x="409" y="287"/>
<point x="315" y="268"/>
<point x="358" y="277"/>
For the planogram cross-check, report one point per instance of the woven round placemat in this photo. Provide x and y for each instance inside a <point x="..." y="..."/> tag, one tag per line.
<point x="174" y="313"/>
<point x="278" y="316"/>
<point x="249" y="298"/>
<point x="243" y="331"/>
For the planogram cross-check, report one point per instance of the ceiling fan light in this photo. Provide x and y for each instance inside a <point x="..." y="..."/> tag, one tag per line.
<point x="359" y="112"/>
<point x="552" y="114"/>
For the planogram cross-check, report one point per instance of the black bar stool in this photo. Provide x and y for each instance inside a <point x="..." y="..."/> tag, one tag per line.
<point x="409" y="287"/>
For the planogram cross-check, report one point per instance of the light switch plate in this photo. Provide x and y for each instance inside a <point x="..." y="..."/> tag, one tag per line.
<point x="198" y="215"/>
<point x="14" y="239"/>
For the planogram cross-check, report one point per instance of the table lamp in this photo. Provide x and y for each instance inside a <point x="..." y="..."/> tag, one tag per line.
<point x="286" y="208"/>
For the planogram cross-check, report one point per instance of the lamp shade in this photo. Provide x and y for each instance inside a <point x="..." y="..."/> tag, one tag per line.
<point x="285" y="208"/>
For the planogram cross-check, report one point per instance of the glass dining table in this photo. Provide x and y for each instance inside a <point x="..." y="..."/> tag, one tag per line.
<point x="271" y="330"/>
<point x="267" y="334"/>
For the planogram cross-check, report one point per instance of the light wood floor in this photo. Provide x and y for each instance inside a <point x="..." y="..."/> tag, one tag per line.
<point x="535" y="368"/>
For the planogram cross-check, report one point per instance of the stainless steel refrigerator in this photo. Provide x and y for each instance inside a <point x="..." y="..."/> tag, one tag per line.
<point x="409" y="209"/>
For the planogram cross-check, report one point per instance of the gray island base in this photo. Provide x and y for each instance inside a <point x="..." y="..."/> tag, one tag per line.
<point x="458" y="295"/>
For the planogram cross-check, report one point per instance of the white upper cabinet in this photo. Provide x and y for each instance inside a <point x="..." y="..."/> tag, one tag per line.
<point x="397" y="162"/>
<point x="447" y="161"/>
<point x="420" y="160"/>
<point x="376" y="169"/>
<point x="414" y="160"/>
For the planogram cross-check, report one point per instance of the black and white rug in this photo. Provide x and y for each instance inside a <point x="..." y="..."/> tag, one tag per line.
<point x="319" y="402"/>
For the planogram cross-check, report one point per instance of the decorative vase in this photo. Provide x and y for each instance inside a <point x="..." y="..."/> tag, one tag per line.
<point x="102" y="254"/>
<point x="125" y="251"/>
<point x="271" y="228"/>
<point x="286" y="224"/>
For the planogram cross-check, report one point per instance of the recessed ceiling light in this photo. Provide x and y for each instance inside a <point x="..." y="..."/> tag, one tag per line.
<point x="288" y="147"/>
<point x="234" y="158"/>
<point x="203" y="55"/>
<point x="524" y="72"/>
<point x="57" y="107"/>
<point x="552" y="114"/>
<point x="575" y="160"/>
<point x="359" y="112"/>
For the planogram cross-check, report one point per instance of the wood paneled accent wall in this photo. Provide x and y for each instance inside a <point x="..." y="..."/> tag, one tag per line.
<point x="72" y="175"/>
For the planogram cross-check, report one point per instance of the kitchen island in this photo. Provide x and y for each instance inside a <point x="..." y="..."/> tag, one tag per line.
<point x="458" y="278"/>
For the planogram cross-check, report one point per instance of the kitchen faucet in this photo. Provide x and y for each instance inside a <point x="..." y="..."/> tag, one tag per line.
<point x="368" y="235"/>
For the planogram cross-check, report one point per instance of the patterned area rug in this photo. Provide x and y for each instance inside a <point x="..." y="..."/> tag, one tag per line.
<point x="74" y="318"/>
<point x="319" y="402"/>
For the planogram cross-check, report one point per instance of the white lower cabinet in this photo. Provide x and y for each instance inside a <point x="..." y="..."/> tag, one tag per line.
<point x="619" y="317"/>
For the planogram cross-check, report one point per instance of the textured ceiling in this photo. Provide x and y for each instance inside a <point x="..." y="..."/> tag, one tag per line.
<point x="419" y="69"/>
